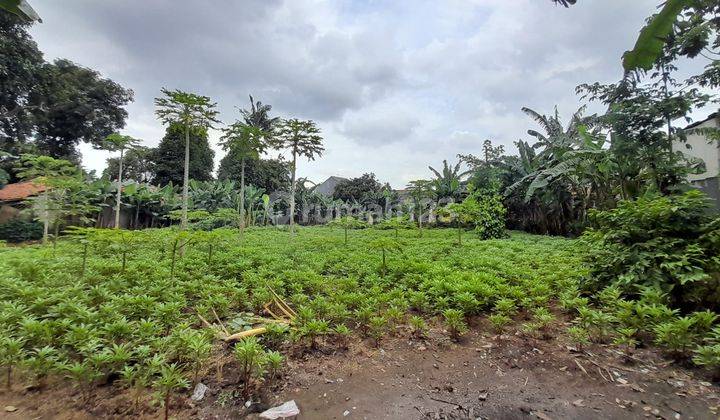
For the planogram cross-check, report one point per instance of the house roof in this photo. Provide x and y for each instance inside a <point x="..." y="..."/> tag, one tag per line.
<point x="20" y="191"/>
<point x="697" y="123"/>
<point x="327" y="187"/>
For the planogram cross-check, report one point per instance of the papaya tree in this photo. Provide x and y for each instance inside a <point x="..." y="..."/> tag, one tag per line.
<point x="247" y="142"/>
<point x="118" y="143"/>
<point x="301" y="138"/>
<point x="189" y="111"/>
<point x="385" y="246"/>
<point x="46" y="171"/>
<point x="346" y="223"/>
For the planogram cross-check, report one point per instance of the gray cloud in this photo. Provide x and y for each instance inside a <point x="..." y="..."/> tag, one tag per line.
<point x="420" y="80"/>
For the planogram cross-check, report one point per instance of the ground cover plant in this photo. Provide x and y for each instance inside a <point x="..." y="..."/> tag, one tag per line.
<point x="109" y="306"/>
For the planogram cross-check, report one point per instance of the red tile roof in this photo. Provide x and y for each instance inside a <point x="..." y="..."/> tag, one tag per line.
<point x="20" y="191"/>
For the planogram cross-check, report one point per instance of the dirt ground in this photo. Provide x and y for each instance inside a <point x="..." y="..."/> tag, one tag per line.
<point x="489" y="376"/>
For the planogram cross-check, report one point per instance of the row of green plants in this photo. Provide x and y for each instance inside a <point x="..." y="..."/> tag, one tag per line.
<point x="104" y="304"/>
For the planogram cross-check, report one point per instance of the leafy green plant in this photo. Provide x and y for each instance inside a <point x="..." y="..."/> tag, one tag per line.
<point x="377" y="327"/>
<point x="385" y="246"/>
<point x="418" y="326"/>
<point x="395" y="224"/>
<point x="342" y="334"/>
<point x="455" y="321"/>
<point x="499" y="321"/>
<point x="347" y="223"/>
<point x="663" y="242"/>
<point x="251" y="356"/>
<point x="171" y="379"/>
<point x="136" y="378"/>
<point x="599" y="324"/>
<point x="84" y="374"/>
<point x="199" y="351"/>
<point x="626" y="339"/>
<point x="313" y="329"/>
<point x="580" y="336"/>
<point x="18" y="230"/>
<point x="677" y="336"/>
<point x="274" y="362"/>
<point x="11" y="355"/>
<point x="42" y="362"/>
<point x="708" y="356"/>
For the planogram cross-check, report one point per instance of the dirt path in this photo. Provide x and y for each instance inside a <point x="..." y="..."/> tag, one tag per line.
<point x="484" y="376"/>
<point x="495" y="377"/>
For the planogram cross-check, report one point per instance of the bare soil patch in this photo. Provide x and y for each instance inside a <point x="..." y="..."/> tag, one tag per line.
<point x="505" y="376"/>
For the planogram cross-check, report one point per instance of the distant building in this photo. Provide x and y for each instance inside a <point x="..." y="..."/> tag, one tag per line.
<point x="13" y="196"/>
<point x="700" y="147"/>
<point x="327" y="187"/>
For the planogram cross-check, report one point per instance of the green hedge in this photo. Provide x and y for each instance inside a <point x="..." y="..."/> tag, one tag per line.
<point x="17" y="230"/>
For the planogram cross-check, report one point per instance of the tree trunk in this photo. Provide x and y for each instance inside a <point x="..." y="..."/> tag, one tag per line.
<point x="46" y="222"/>
<point x="292" y="193"/>
<point x="186" y="179"/>
<point x="167" y="404"/>
<point x="119" y="192"/>
<point x="137" y="215"/>
<point x="242" y="195"/>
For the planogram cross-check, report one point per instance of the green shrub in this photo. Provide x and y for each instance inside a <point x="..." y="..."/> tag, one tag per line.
<point x="499" y="321"/>
<point x="455" y="321"/>
<point x="667" y="242"/>
<point x="418" y="326"/>
<point x="16" y="230"/>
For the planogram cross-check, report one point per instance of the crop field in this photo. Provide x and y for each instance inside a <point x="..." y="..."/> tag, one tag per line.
<point x="152" y="313"/>
<point x="115" y="304"/>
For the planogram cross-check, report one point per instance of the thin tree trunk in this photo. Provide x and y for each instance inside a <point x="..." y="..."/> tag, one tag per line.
<point x="137" y="215"/>
<point x="167" y="404"/>
<point x="186" y="179"/>
<point x="666" y="75"/>
<point x="119" y="192"/>
<point x="292" y="193"/>
<point x="242" y="195"/>
<point x="46" y="222"/>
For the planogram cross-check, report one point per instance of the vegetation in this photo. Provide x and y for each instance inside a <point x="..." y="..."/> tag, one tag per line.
<point x="190" y="111"/>
<point x="667" y="243"/>
<point x="130" y="307"/>
<point x="302" y="138"/>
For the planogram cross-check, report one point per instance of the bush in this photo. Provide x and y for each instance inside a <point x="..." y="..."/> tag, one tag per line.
<point x="481" y="210"/>
<point x="669" y="243"/>
<point x="17" y="230"/>
<point x="491" y="221"/>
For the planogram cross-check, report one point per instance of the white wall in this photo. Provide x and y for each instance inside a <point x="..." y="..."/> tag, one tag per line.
<point x="709" y="152"/>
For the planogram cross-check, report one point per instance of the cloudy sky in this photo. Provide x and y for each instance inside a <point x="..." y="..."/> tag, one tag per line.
<point x="395" y="85"/>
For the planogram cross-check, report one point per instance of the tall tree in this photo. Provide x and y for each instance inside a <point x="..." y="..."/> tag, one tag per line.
<point x="362" y="189"/>
<point x="49" y="172"/>
<point x="190" y="111"/>
<point x="118" y="143"/>
<point x="450" y="182"/>
<point x="301" y="138"/>
<point x="258" y="116"/>
<point x="75" y="104"/>
<point x="167" y="159"/>
<point x="269" y="174"/>
<point x="136" y="166"/>
<point x="420" y="190"/>
<point x="247" y="142"/>
<point x="20" y="62"/>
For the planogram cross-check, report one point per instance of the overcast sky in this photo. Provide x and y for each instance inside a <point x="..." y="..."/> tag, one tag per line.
<point x="394" y="85"/>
